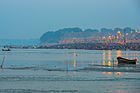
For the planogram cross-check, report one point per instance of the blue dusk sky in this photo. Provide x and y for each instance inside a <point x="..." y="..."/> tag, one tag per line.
<point x="25" y="19"/>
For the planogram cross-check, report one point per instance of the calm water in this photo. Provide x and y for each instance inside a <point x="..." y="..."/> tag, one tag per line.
<point x="68" y="71"/>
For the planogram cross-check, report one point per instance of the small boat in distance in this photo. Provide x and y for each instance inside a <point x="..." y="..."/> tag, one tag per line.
<point x="126" y="61"/>
<point x="6" y="49"/>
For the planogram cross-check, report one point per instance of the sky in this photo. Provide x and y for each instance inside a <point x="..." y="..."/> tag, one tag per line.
<point x="29" y="19"/>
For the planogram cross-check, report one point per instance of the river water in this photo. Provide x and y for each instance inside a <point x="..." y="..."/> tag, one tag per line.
<point x="68" y="71"/>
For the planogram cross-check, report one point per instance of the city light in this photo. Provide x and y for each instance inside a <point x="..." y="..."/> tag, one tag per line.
<point x="118" y="32"/>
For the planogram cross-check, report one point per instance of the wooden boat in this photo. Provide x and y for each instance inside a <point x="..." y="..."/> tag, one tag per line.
<point x="126" y="61"/>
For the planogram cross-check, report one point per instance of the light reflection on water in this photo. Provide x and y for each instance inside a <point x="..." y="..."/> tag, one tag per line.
<point x="77" y="59"/>
<point x="84" y="67"/>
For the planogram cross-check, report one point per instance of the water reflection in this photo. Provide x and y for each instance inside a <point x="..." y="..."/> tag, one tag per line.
<point x="74" y="63"/>
<point x="103" y="58"/>
<point x="127" y="54"/>
<point x="104" y="72"/>
<point x="109" y="54"/>
<point x="118" y="73"/>
<point x="103" y="64"/>
<point x="92" y="62"/>
<point x="121" y="91"/>
<point x="109" y="58"/>
<point x="109" y="64"/>
<point x="136" y="54"/>
<point x="109" y="73"/>
<point x="103" y="55"/>
<point x="118" y="53"/>
<point x="109" y="61"/>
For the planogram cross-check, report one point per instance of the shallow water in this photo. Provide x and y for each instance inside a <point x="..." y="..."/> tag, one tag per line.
<point x="68" y="71"/>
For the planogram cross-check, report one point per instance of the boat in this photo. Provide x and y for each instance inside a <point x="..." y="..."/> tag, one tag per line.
<point x="6" y="49"/>
<point x="126" y="61"/>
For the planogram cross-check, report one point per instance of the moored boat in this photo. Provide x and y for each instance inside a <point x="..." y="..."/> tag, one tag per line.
<point x="6" y="49"/>
<point x="126" y="61"/>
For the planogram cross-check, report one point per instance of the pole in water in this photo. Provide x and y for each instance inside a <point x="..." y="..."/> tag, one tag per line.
<point x="67" y="65"/>
<point x="0" y="66"/>
<point x="113" y="64"/>
<point x="2" y="62"/>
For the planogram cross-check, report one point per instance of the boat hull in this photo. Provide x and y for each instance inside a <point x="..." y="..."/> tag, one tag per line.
<point x="6" y="50"/>
<point x="126" y="61"/>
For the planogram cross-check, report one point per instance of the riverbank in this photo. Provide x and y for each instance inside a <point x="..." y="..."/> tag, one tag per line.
<point x="87" y="46"/>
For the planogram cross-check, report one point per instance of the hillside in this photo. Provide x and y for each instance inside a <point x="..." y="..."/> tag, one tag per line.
<point x="73" y="35"/>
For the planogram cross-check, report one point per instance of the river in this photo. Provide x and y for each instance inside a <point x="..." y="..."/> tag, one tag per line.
<point x="68" y="71"/>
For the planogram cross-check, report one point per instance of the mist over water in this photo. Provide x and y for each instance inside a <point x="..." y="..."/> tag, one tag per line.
<point x="19" y="42"/>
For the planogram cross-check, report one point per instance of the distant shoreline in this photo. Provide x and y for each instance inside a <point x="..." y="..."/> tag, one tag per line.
<point x="86" y="46"/>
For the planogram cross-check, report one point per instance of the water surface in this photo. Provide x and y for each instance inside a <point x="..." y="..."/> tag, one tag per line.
<point x="68" y="71"/>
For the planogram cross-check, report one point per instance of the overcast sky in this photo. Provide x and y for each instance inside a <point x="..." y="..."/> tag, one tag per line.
<point x="31" y="18"/>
